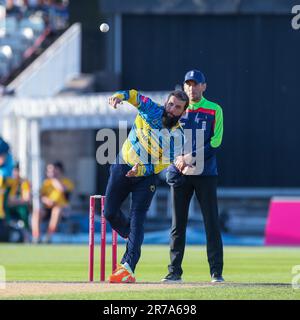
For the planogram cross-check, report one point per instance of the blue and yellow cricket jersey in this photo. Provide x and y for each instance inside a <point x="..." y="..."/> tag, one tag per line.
<point x="148" y="143"/>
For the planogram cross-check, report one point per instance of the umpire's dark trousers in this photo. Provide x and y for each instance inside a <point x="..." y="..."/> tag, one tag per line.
<point x="205" y="188"/>
<point x="130" y="226"/>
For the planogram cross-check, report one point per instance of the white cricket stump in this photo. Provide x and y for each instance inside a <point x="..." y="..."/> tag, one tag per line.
<point x="2" y="278"/>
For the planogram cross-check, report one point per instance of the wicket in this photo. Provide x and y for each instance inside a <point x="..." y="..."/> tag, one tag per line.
<point x="102" y="242"/>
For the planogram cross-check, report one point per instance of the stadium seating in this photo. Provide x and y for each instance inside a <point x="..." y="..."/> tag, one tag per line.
<point x="19" y="33"/>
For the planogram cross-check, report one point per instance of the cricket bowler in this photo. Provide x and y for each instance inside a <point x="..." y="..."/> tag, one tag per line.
<point x="134" y="174"/>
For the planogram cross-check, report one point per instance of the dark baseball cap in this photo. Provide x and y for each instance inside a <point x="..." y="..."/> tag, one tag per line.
<point x="195" y="75"/>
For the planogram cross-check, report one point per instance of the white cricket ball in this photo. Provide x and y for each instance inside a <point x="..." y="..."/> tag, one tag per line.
<point x="104" y="27"/>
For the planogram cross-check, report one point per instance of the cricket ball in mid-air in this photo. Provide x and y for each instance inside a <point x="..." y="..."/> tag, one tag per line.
<point x="104" y="27"/>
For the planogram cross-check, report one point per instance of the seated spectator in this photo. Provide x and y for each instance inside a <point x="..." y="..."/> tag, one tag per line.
<point x="2" y="198"/>
<point x="18" y="201"/>
<point x="55" y="194"/>
<point x="55" y="13"/>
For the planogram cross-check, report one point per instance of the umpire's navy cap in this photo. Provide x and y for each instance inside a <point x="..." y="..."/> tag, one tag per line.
<point x="195" y="75"/>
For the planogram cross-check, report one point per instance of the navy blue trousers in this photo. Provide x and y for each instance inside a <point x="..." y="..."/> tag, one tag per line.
<point x="205" y="188"/>
<point x="130" y="226"/>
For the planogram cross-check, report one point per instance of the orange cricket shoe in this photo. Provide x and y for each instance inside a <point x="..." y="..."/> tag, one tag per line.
<point x="121" y="275"/>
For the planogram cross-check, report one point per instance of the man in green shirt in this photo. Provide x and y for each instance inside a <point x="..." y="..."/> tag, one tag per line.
<point x="185" y="178"/>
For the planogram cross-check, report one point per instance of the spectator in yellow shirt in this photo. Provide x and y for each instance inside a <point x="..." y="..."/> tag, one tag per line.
<point x="55" y="194"/>
<point x="2" y="197"/>
<point x="18" y="198"/>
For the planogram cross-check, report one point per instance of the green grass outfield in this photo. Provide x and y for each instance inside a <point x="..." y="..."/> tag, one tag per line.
<point x="250" y="272"/>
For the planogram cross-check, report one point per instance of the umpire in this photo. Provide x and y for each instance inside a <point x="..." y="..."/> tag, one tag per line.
<point x="207" y="116"/>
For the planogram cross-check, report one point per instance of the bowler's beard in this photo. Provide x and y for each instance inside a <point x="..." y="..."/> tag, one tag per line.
<point x="169" y="121"/>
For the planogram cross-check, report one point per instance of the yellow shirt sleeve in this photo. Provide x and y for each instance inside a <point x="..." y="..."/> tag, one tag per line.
<point x="11" y="184"/>
<point x="25" y="189"/>
<point x="44" y="188"/>
<point x="25" y="186"/>
<point x="69" y="185"/>
<point x="2" y="192"/>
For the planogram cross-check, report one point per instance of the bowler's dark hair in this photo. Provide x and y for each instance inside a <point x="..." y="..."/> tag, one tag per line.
<point x="180" y="95"/>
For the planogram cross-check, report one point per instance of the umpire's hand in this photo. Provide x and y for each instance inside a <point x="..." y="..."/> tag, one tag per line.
<point x="180" y="163"/>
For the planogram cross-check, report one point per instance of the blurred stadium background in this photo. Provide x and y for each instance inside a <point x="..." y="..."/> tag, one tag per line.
<point x="57" y="70"/>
